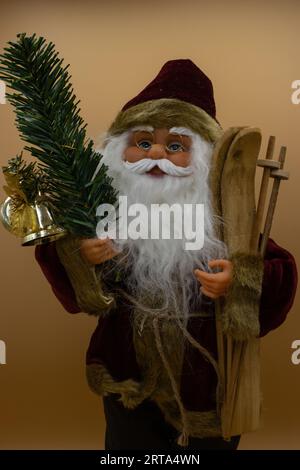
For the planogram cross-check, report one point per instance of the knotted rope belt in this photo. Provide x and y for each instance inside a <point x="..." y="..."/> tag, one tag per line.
<point x="183" y="438"/>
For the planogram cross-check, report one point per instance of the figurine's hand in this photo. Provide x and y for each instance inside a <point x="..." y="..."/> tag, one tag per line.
<point x="96" y="251"/>
<point x="215" y="285"/>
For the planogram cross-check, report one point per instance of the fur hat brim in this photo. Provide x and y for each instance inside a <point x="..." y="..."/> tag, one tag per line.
<point x="167" y="113"/>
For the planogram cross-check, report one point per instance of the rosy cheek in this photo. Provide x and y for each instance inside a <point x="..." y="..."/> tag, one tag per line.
<point x="181" y="159"/>
<point x="133" y="154"/>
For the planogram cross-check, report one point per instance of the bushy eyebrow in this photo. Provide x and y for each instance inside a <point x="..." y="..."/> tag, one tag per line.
<point x="142" y="128"/>
<point x="181" y="131"/>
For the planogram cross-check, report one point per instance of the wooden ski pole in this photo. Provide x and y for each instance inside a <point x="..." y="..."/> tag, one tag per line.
<point x="268" y="164"/>
<point x="278" y="175"/>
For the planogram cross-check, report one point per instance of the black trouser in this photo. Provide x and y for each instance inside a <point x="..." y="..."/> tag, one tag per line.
<point x="144" y="427"/>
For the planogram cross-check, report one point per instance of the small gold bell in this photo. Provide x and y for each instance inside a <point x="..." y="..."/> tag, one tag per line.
<point x="33" y="223"/>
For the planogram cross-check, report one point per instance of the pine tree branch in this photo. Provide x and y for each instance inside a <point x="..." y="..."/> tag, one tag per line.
<point x="48" y="119"/>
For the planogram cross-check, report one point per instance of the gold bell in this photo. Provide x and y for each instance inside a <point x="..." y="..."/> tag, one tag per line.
<point x="32" y="222"/>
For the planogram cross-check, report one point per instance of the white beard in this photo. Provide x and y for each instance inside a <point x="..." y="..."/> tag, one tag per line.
<point x="161" y="276"/>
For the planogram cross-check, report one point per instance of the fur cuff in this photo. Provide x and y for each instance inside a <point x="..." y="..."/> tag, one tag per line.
<point x="87" y="287"/>
<point x="241" y="310"/>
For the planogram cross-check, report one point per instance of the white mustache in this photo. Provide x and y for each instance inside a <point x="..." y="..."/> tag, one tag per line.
<point x="146" y="164"/>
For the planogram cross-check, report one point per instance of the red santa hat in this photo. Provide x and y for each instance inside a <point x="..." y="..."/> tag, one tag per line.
<point x="180" y="95"/>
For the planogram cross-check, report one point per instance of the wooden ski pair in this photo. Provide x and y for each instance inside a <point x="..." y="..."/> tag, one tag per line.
<point x="233" y="183"/>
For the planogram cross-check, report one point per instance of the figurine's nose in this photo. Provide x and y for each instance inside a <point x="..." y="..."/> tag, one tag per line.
<point x="157" y="151"/>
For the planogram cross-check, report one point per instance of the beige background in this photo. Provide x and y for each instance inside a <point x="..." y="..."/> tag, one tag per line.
<point x="250" y="50"/>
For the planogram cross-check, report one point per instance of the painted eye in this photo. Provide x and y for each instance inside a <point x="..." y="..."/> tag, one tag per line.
<point x="175" y="147"/>
<point x="144" y="144"/>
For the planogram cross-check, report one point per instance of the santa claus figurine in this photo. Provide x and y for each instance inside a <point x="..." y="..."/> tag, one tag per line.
<point x="153" y="357"/>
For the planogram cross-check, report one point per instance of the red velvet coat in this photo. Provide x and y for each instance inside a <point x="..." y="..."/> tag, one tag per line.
<point x="111" y="343"/>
